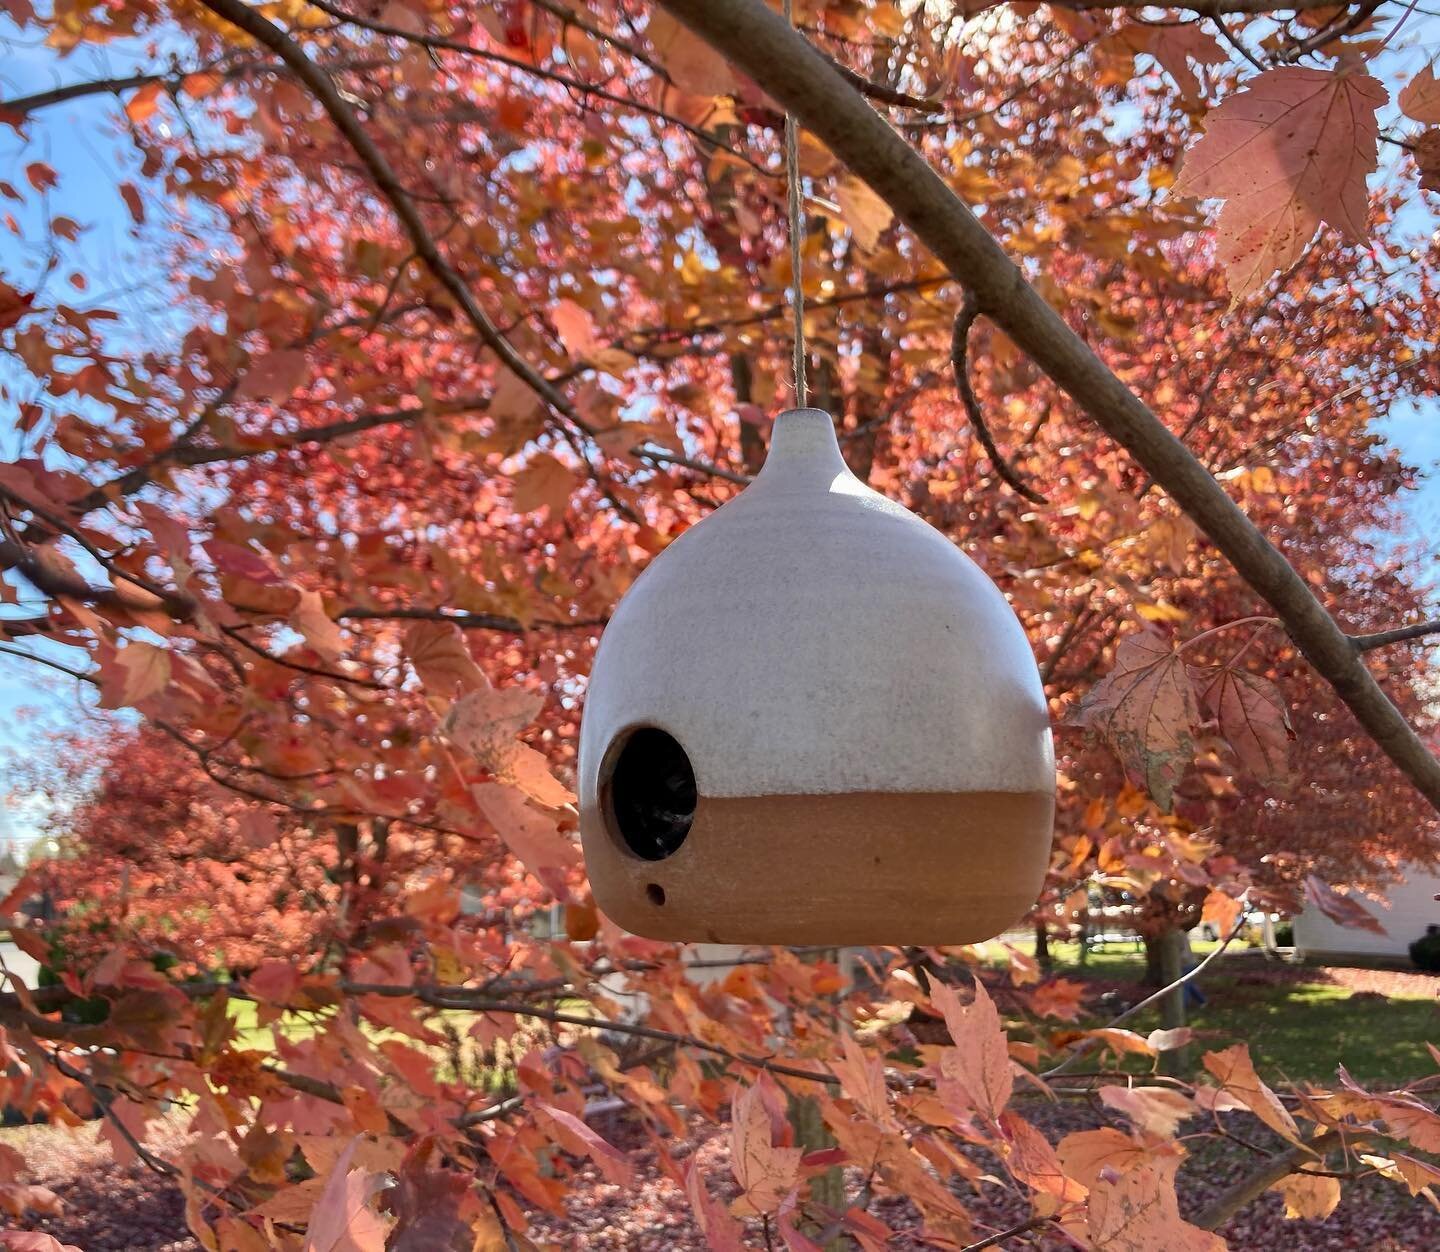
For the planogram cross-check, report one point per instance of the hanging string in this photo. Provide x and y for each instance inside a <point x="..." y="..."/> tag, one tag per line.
<point x="797" y="244"/>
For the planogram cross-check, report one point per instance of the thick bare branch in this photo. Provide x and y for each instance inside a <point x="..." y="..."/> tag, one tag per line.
<point x="782" y="63"/>
<point x="876" y="91"/>
<point x="1262" y="1178"/>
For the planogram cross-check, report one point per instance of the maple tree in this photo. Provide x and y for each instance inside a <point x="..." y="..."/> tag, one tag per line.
<point x="482" y="307"/>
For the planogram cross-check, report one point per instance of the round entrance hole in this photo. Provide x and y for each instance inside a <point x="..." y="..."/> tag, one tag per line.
<point x="652" y="794"/>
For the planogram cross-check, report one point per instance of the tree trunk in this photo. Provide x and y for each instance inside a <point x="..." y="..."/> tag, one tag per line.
<point x="1042" y="947"/>
<point x="827" y="1192"/>
<point x="752" y="443"/>
<point x="1154" y="974"/>
<point x="1171" y="949"/>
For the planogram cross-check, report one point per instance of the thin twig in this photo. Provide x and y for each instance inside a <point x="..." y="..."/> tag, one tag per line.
<point x="1135" y="1009"/>
<point x="1020" y="1228"/>
<point x="1331" y="32"/>
<point x="1234" y="41"/>
<point x="960" y="361"/>
<point x="1363" y="643"/>
<point x="700" y="467"/>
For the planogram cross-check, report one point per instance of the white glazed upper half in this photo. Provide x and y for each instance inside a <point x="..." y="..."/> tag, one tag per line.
<point x="813" y="637"/>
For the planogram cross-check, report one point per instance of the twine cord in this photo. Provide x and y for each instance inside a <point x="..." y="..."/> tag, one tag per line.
<point x="797" y="243"/>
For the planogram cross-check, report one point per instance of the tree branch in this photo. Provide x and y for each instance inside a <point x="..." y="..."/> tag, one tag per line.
<point x="1364" y="643"/>
<point x="1333" y="31"/>
<point x="22" y="106"/>
<point x="469" y="621"/>
<point x="960" y="363"/>
<point x="783" y="64"/>
<point x="660" y="456"/>
<point x="128" y="482"/>
<point x="56" y="583"/>
<point x="1266" y="1175"/>
<point x="999" y="1237"/>
<point x="476" y="1000"/>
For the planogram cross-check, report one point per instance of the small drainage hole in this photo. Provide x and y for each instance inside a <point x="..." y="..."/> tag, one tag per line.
<point x="655" y="893"/>
<point x="651" y="795"/>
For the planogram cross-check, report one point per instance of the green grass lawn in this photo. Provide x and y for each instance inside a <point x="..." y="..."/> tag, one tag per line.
<point x="1300" y="1031"/>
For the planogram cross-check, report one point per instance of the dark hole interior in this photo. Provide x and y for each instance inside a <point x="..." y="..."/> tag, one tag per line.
<point x="652" y="794"/>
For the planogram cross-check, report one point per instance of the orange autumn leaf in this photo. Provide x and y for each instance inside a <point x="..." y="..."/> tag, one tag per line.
<point x="1252" y="717"/>
<point x="1158" y="1110"/>
<point x="144" y="102"/>
<point x="345" y="1218"/>
<point x="1085" y="1154"/>
<point x="722" y="1232"/>
<point x="692" y="64"/>
<point x="1146" y="708"/>
<point x="1343" y="909"/>
<point x="1420" y="97"/>
<point x="766" y="1172"/>
<point x="1029" y="1156"/>
<point x="1138" y="1212"/>
<point x="1308" y="1196"/>
<point x="319" y="629"/>
<point x="1062" y="998"/>
<point x="544" y="483"/>
<point x="576" y="329"/>
<point x="976" y="1074"/>
<point x="572" y="1134"/>
<point x="1234" y="1071"/>
<point x="275" y="377"/>
<point x="863" y="211"/>
<point x="529" y="834"/>
<point x="1290" y="151"/>
<point x="136" y="672"/>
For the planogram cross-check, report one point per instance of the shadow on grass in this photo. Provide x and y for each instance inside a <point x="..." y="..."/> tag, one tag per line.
<point x="1305" y="1030"/>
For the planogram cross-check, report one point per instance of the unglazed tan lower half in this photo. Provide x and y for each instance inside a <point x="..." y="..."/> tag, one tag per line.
<point x="857" y="868"/>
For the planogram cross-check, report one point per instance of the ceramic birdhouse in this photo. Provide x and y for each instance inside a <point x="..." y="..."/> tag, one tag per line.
<point x="814" y="720"/>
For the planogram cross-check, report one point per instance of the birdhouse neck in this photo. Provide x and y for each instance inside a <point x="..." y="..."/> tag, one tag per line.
<point x="803" y="447"/>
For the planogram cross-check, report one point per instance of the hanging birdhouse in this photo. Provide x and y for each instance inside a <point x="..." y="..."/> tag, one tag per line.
<point x="814" y="720"/>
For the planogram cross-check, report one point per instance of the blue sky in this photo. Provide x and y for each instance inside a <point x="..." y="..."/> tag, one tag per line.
<point x="83" y="141"/>
<point x="88" y="148"/>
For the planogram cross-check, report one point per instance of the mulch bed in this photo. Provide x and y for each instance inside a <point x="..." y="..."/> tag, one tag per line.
<point x="110" y="1209"/>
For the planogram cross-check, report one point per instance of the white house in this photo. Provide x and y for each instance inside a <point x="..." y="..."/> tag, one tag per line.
<point x="1408" y="907"/>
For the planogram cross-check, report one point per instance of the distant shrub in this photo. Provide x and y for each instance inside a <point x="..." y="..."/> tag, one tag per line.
<point x="1284" y="934"/>
<point x="1425" y="951"/>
